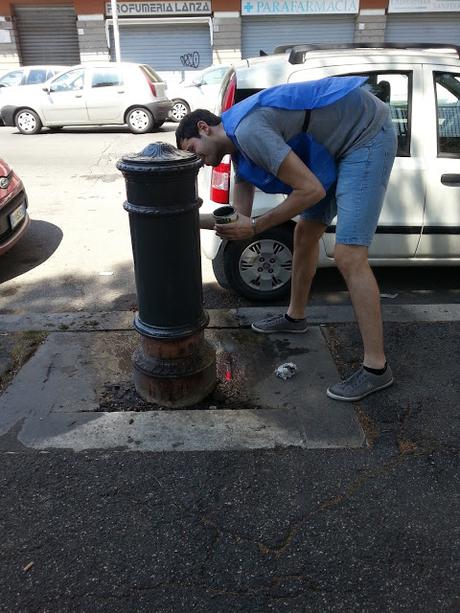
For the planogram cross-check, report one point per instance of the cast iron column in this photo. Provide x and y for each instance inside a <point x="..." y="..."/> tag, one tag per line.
<point x="174" y="365"/>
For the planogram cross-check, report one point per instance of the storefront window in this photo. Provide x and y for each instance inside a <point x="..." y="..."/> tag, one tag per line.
<point x="448" y="113"/>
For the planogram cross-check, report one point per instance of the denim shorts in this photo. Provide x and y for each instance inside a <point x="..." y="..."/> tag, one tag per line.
<point x="357" y="196"/>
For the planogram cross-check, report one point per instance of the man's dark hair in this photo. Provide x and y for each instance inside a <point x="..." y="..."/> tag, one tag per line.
<point x="188" y="125"/>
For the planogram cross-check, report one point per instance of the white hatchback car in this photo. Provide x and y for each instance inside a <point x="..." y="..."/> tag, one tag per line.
<point x="420" y="220"/>
<point x="97" y="94"/>
<point x="29" y="75"/>
<point x="200" y="93"/>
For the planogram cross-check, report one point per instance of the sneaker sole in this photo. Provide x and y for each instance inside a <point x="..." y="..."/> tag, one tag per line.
<point x="354" y="398"/>
<point x="289" y="331"/>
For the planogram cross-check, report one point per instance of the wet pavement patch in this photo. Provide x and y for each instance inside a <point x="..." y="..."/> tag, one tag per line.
<point x="77" y="391"/>
<point x="124" y="397"/>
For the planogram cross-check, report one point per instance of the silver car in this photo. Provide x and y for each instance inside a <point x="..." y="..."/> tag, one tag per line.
<point x="29" y="75"/>
<point x="105" y="93"/>
<point x="200" y="93"/>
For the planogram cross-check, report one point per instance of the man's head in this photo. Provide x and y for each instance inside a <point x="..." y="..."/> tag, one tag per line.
<point x="202" y="133"/>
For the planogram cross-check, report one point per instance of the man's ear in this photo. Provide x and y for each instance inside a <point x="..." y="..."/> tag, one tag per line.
<point x="202" y="125"/>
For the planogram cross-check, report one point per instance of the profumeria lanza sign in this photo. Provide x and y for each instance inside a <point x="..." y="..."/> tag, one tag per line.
<point x="423" y="6"/>
<point x="299" y="7"/>
<point x="152" y="9"/>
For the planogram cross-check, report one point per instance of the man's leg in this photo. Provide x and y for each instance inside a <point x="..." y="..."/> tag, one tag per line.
<point x="365" y="296"/>
<point x="363" y="176"/>
<point x="305" y="259"/>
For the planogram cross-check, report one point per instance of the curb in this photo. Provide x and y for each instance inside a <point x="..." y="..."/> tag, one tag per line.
<point x="222" y="318"/>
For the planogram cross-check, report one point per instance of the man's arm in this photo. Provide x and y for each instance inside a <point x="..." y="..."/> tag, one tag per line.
<point x="243" y="197"/>
<point x="307" y="190"/>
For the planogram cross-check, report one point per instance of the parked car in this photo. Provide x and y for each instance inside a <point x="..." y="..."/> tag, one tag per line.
<point x="14" y="219"/>
<point x="29" y="75"/>
<point x="420" y="220"/>
<point x="97" y="94"/>
<point x="200" y="93"/>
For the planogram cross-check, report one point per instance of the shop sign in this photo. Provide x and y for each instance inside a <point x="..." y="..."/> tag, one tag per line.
<point x="298" y="7"/>
<point x="155" y="9"/>
<point x="423" y="6"/>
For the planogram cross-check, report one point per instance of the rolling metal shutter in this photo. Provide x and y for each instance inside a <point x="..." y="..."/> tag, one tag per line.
<point x="423" y="28"/>
<point x="268" y="32"/>
<point x="165" y="46"/>
<point x="47" y="34"/>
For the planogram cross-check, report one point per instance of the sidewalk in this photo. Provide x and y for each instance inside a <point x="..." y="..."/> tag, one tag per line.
<point x="277" y="499"/>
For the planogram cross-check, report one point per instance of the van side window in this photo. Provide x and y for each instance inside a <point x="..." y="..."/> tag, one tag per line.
<point x="447" y="86"/>
<point x="393" y="88"/>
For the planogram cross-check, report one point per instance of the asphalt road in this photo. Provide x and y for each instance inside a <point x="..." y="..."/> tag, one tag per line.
<point x="77" y="254"/>
<point x="373" y="529"/>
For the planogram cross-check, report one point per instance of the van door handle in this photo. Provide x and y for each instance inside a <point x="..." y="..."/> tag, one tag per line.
<point x="78" y="95"/>
<point x="451" y="180"/>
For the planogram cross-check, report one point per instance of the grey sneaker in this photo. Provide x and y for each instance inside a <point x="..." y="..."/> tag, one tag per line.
<point x="360" y="384"/>
<point x="279" y="323"/>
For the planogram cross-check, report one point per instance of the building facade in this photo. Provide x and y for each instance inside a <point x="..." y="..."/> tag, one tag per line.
<point x="181" y="36"/>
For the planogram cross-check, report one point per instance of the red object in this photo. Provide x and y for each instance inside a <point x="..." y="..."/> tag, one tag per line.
<point x="220" y="182"/>
<point x="220" y="176"/>
<point x="152" y="86"/>
<point x="14" y="219"/>
<point x="228" y="99"/>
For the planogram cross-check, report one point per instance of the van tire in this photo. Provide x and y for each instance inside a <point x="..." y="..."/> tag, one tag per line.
<point x="260" y="268"/>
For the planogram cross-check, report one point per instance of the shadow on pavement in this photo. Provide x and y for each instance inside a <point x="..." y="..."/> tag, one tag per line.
<point x="38" y="244"/>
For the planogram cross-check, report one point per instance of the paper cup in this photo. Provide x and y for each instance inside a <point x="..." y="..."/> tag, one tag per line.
<point x="225" y="214"/>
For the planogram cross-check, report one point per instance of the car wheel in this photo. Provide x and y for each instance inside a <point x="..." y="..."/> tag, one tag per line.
<point x="139" y="120"/>
<point x="260" y="268"/>
<point x="28" y="122"/>
<point x="179" y="110"/>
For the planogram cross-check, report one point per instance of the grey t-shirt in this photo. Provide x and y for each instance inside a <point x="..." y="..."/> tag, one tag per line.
<point x="341" y="127"/>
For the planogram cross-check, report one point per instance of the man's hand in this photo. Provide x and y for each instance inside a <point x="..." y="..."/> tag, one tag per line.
<point x="238" y="230"/>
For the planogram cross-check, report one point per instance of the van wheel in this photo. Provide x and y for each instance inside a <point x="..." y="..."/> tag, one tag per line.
<point x="28" y="122"/>
<point x="260" y="268"/>
<point x="139" y="120"/>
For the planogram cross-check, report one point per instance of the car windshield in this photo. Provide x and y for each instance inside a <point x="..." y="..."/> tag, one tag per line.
<point x="11" y="78"/>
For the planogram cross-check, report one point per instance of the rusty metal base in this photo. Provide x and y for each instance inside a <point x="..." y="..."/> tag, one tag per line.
<point x="175" y="373"/>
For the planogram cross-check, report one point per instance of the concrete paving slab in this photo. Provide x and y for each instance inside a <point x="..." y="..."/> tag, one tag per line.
<point x="56" y="398"/>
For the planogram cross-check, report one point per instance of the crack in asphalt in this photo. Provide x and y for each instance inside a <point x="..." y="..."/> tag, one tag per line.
<point x="326" y="505"/>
